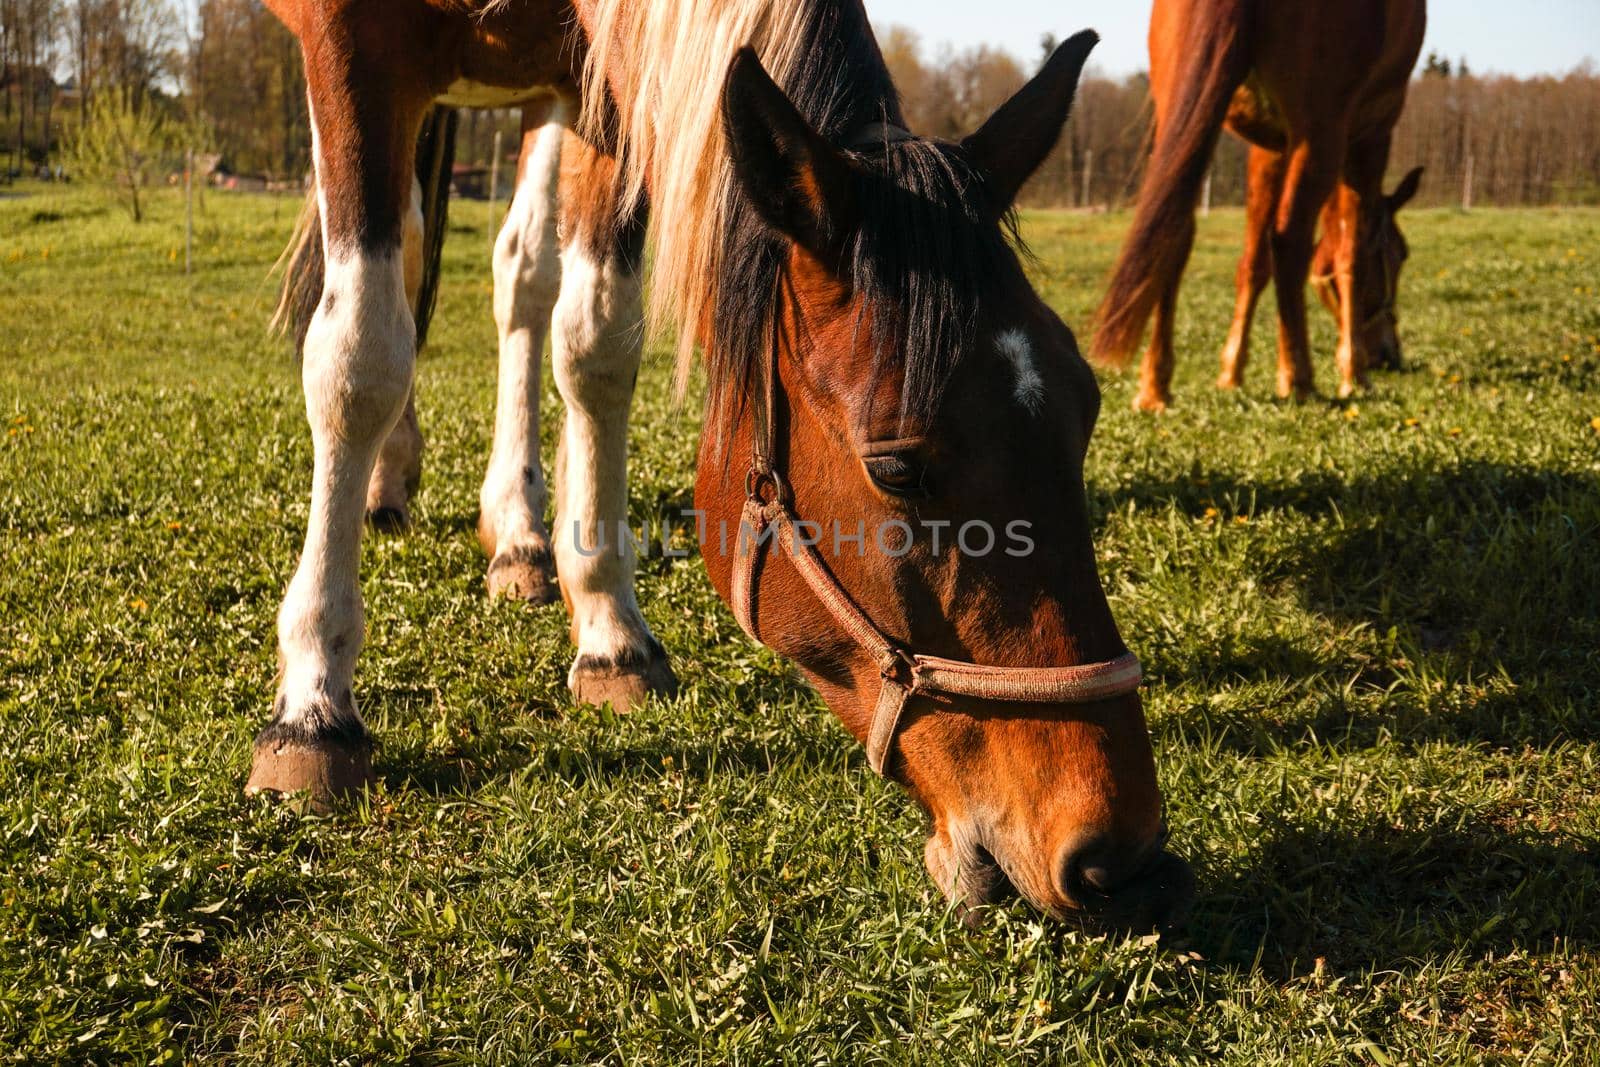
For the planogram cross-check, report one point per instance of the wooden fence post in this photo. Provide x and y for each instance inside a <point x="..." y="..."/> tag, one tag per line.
<point x="188" y="211"/>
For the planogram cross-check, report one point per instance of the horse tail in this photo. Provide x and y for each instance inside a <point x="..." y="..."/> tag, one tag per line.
<point x="1216" y="61"/>
<point x="436" y="157"/>
<point x="301" y="264"/>
<point x="302" y="261"/>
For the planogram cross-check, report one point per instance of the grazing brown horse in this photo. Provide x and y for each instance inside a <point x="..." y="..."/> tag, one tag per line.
<point x="896" y="426"/>
<point x="1316" y="88"/>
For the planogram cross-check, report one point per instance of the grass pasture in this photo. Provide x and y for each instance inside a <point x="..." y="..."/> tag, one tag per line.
<point x="1372" y="635"/>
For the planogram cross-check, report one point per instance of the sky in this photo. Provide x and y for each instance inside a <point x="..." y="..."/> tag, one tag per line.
<point x="1519" y="37"/>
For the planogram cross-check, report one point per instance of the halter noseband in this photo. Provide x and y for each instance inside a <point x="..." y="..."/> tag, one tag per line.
<point x="769" y="515"/>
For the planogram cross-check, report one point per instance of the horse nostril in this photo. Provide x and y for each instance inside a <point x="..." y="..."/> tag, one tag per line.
<point x="1088" y="870"/>
<point x="1097" y="877"/>
<point x="1138" y="894"/>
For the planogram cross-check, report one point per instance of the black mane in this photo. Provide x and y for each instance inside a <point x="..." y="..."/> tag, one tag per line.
<point x="928" y="249"/>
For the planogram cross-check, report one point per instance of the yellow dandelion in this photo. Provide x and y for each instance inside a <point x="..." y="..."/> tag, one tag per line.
<point x="1352" y="413"/>
<point x="1594" y="424"/>
<point x="174" y="525"/>
<point x="1455" y="431"/>
<point x="1413" y="423"/>
<point x="138" y="603"/>
<point x="1210" y="514"/>
<point x="1241" y="520"/>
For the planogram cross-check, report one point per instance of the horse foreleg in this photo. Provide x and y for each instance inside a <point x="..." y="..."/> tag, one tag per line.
<point x="598" y="341"/>
<point x="357" y="372"/>
<point x="1350" y="358"/>
<point x="398" y="471"/>
<point x="1360" y="189"/>
<point x="1313" y="169"/>
<point x="527" y="280"/>
<point x="1255" y="266"/>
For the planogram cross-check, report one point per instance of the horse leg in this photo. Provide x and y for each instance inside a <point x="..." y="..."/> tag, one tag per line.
<point x="1312" y="173"/>
<point x="1360" y="187"/>
<point x="357" y="371"/>
<point x="1324" y="265"/>
<point x="1155" y="372"/>
<point x="527" y="280"/>
<point x="1255" y="266"/>
<point x="598" y="340"/>
<point x="398" y="471"/>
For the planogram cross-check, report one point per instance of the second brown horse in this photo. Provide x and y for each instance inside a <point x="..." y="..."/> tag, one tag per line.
<point x="1316" y="88"/>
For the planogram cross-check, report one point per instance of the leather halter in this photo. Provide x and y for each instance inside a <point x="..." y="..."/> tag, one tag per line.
<point x="769" y="515"/>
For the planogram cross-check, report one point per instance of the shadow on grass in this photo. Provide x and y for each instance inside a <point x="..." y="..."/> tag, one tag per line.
<point x="587" y="745"/>
<point x="1532" y="715"/>
<point x="1468" y="573"/>
<point x="1376" y="897"/>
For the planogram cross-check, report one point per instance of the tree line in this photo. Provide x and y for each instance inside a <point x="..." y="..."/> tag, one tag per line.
<point x="1484" y="140"/>
<point x="227" y="77"/>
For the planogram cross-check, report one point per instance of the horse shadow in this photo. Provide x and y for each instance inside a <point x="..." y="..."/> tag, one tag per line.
<point x="1349" y="899"/>
<point x="583" y="746"/>
<point x="1480" y="579"/>
<point x="1481" y="576"/>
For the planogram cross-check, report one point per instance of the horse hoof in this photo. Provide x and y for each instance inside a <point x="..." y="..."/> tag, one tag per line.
<point x="389" y="520"/>
<point x="324" y="771"/>
<point x="527" y="574"/>
<point x="624" y="685"/>
<point x="1151" y="403"/>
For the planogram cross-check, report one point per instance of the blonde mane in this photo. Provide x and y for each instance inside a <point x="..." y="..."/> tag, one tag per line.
<point x="663" y="63"/>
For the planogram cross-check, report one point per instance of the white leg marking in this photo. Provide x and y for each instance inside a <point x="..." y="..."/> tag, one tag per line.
<point x="527" y="280"/>
<point x="357" y="376"/>
<point x="1018" y="350"/>
<point x="399" y="464"/>
<point x="598" y="341"/>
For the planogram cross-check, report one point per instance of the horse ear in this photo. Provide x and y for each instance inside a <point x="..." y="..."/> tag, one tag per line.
<point x="1405" y="190"/>
<point x="799" y="183"/>
<point x="1021" y="134"/>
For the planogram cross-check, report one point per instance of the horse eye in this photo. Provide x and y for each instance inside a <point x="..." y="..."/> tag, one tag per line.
<point x="900" y="474"/>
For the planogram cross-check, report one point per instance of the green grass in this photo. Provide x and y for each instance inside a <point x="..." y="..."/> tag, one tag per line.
<point x="1372" y="633"/>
